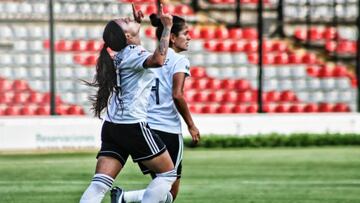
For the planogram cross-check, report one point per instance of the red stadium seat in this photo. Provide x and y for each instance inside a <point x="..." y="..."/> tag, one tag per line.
<point x="244" y="97"/>
<point x="222" y="46"/>
<point x="27" y="110"/>
<point x="215" y="96"/>
<point x="79" y="59"/>
<point x="325" y="71"/>
<point x="63" y="45"/>
<point x="268" y="58"/>
<point x="221" y="33"/>
<point x="79" y="45"/>
<point x="224" y="109"/>
<point x="315" y="34"/>
<point x="237" y="46"/>
<point x="46" y="99"/>
<point x="35" y="97"/>
<point x="93" y="45"/>
<point x="194" y="32"/>
<point x="91" y="60"/>
<point x="296" y="108"/>
<point x="240" y="108"/>
<point x="75" y="110"/>
<point x="206" y="33"/>
<point x="195" y="108"/>
<point x="183" y="10"/>
<point x="300" y="34"/>
<point x="230" y="97"/>
<point x="6" y="97"/>
<point x="279" y="46"/>
<point x="242" y="85"/>
<point x="42" y="110"/>
<point x="253" y="108"/>
<point x="341" y="107"/>
<point x="200" y="97"/>
<point x="61" y="109"/>
<point x="325" y="107"/>
<point x="199" y="84"/>
<point x="20" y="98"/>
<point x="209" y="108"/>
<point x="197" y="72"/>
<point x="271" y="96"/>
<point x="213" y="84"/>
<point x="294" y="58"/>
<point x="288" y="96"/>
<point x="281" y="58"/>
<point x="210" y="45"/>
<point x="313" y="71"/>
<point x="251" y="46"/>
<point x="309" y="58"/>
<point x="5" y="85"/>
<point x="250" y="33"/>
<point x="311" y="108"/>
<point x="235" y="33"/>
<point x="150" y="32"/>
<point x="20" y="85"/>
<point x="339" y="71"/>
<point x="281" y="108"/>
<point x="329" y="33"/>
<point x="12" y="111"/>
<point x="227" y="84"/>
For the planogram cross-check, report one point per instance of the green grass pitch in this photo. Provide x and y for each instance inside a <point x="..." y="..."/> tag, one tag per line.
<point x="277" y="175"/>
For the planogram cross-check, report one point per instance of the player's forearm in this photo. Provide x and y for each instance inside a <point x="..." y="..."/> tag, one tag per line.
<point x="183" y="109"/>
<point x="159" y="56"/>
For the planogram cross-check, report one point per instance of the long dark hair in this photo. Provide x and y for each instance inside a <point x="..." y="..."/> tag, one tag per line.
<point x="178" y="25"/>
<point x="106" y="78"/>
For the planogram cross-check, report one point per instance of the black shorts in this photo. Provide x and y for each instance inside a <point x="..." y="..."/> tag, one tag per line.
<point x="175" y="145"/>
<point x="138" y="140"/>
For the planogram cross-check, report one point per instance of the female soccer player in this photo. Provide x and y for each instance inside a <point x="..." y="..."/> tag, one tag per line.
<point x="166" y="101"/>
<point x="124" y="87"/>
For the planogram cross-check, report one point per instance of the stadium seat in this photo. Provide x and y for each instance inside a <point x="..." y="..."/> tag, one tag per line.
<point x="209" y="109"/>
<point x="325" y="107"/>
<point x="245" y="97"/>
<point x="311" y="108"/>
<point x="197" y="72"/>
<point x="213" y="84"/>
<point x="215" y="96"/>
<point x="75" y="110"/>
<point x="296" y="108"/>
<point x="240" y="108"/>
<point x="229" y="97"/>
<point x="200" y="97"/>
<point x="224" y="108"/>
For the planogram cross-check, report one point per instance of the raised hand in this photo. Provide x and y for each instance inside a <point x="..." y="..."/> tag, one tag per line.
<point x="138" y="15"/>
<point x="166" y="19"/>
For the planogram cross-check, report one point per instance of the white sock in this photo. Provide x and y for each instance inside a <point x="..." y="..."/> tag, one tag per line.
<point x="133" y="196"/>
<point x="137" y="195"/>
<point x="97" y="189"/>
<point x="159" y="187"/>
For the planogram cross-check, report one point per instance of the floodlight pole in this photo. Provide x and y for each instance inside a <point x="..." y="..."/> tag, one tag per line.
<point x="260" y="53"/>
<point x="52" y="63"/>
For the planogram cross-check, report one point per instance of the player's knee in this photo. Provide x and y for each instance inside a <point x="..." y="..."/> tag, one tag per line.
<point x="167" y="177"/>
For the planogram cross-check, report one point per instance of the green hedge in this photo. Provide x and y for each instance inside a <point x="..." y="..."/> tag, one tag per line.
<point x="276" y="140"/>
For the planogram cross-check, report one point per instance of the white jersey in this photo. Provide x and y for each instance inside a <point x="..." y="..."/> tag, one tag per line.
<point x="135" y="82"/>
<point x="162" y="113"/>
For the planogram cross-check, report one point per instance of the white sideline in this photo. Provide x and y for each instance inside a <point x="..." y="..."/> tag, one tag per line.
<point x="28" y="133"/>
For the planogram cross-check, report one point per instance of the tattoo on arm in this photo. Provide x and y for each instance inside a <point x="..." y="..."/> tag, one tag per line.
<point x="164" y="41"/>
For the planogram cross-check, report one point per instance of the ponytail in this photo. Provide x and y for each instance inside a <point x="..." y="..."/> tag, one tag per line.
<point x="104" y="80"/>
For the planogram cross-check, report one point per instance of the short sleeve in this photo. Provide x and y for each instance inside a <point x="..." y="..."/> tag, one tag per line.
<point x="182" y="66"/>
<point x="137" y="57"/>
